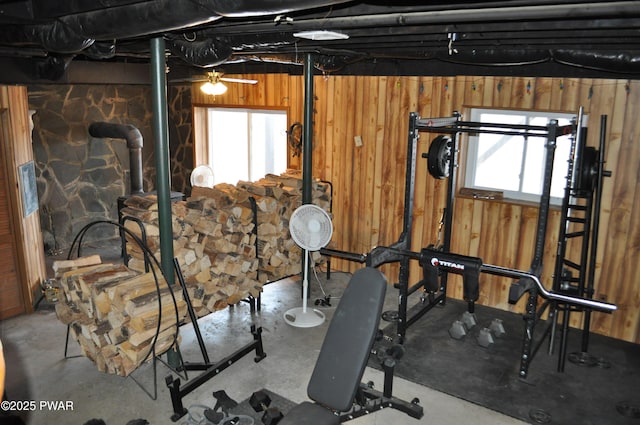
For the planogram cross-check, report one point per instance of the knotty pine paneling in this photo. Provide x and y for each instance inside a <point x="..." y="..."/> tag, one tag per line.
<point x="26" y="235"/>
<point x="369" y="180"/>
<point x="11" y="299"/>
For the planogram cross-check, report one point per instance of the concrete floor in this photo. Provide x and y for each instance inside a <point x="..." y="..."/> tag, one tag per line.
<point x="37" y="369"/>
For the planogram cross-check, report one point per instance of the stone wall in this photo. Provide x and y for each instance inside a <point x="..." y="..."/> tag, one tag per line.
<point x="180" y="137"/>
<point x="79" y="177"/>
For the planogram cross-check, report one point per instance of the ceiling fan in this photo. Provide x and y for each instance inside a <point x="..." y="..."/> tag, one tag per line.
<point x="213" y="82"/>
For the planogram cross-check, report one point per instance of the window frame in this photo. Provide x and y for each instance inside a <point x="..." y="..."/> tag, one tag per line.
<point x="469" y="154"/>
<point x="201" y="148"/>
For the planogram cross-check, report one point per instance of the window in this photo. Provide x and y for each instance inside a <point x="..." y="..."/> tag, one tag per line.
<point x="241" y="144"/>
<point x="515" y="164"/>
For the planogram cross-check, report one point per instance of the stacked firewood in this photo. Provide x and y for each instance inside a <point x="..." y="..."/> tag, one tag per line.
<point x="277" y="197"/>
<point x="113" y="312"/>
<point x="229" y="241"/>
<point x="225" y="251"/>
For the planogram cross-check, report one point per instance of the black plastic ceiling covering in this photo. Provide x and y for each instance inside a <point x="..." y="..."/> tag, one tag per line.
<point x="93" y="32"/>
<point x="405" y="36"/>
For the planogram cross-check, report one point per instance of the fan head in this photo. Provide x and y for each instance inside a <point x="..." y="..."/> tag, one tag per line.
<point x="214" y="85"/>
<point x="310" y="227"/>
<point x="202" y="176"/>
<point x="215" y="77"/>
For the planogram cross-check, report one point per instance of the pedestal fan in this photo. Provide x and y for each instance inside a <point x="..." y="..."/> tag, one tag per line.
<point x="310" y="227"/>
<point x="202" y="176"/>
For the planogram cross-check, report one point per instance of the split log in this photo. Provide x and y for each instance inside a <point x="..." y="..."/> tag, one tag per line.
<point x="110" y="307"/>
<point x="147" y="202"/>
<point x="227" y="249"/>
<point x="61" y="266"/>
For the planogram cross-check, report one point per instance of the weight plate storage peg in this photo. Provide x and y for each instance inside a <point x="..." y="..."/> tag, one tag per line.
<point x="439" y="157"/>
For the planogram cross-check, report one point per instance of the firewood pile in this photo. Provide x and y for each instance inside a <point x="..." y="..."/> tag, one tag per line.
<point x="225" y="253"/>
<point x="113" y="312"/>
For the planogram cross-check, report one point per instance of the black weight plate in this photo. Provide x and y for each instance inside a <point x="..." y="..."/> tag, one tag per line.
<point x="390" y="316"/>
<point x="438" y="158"/>
<point x="583" y="359"/>
<point x="539" y="416"/>
<point x="603" y="363"/>
<point x="588" y="169"/>
<point x="627" y="409"/>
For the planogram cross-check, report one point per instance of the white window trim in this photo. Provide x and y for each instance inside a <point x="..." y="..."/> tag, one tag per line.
<point x="202" y="154"/>
<point x="471" y="146"/>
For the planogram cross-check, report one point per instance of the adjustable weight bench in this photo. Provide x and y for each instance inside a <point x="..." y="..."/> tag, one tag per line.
<point x="335" y="384"/>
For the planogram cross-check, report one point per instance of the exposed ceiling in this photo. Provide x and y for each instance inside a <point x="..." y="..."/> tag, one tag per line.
<point x="39" y="39"/>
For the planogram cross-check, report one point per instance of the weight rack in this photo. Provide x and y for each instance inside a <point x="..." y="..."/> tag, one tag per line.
<point x="454" y="127"/>
<point x="400" y="250"/>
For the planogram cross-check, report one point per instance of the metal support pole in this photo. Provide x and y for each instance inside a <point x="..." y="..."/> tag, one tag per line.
<point x="307" y="146"/>
<point x="545" y="199"/>
<point x="163" y="178"/>
<point x="451" y="192"/>
<point x="307" y="137"/>
<point x="595" y="231"/>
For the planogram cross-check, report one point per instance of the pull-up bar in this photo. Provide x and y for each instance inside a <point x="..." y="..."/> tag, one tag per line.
<point x="454" y="125"/>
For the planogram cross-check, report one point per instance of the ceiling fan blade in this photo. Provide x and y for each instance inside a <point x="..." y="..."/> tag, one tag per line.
<point x="194" y="79"/>
<point x="238" y="80"/>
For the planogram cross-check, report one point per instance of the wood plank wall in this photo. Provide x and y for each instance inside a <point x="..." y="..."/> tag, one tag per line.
<point x="26" y="231"/>
<point x="12" y="301"/>
<point x="369" y="180"/>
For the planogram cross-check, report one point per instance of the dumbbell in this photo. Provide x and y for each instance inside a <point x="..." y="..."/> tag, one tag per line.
<point x="459" y="328"/>
<point x="469" y="319"/>
<point x="497" y="328"/>
<point x="485" y="339"/>
<point x="487" y="336"/>
<point x="260" y="402"/>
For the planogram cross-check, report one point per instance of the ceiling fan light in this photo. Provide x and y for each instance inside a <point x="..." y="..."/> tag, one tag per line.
<point x="213" y="89"/>
<point x="321" y="35"/>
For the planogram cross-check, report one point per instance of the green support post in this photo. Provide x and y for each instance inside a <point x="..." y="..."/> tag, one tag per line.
<point x="163" y="177"/>
<point x="307" y="142"/>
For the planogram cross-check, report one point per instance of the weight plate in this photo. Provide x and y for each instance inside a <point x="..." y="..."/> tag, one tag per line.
<point x="539" y="416"/>
<point x="583" y="359"/>
<point x="588" y="169"/>
<point x="390" y="316"/>
<point x="439" y="157"/>
<point x="604" y="363"/>
<point x="627" y="409"/>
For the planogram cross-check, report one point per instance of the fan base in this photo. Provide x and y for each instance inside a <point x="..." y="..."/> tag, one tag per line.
<point x="299" y="318"/>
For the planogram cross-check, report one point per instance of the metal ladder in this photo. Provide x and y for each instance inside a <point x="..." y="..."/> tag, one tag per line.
<point x="579" y="220"/>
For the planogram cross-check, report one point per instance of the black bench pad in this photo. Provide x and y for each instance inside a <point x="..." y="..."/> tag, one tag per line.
<point x="308" y="413"/>
<point x="347" y="344"/>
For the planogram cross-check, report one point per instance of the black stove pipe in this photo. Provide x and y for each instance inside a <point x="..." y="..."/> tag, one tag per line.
<point x="134" y="142"/>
